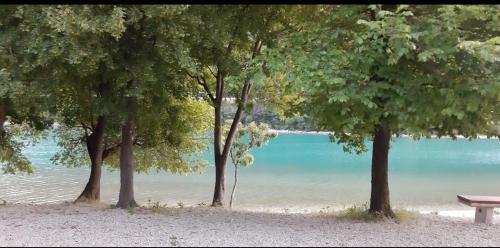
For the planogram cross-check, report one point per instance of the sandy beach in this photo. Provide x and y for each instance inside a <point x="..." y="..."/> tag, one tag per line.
<point x="90" y="225"/>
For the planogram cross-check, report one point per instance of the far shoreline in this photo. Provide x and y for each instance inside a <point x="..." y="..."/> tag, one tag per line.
<point x="285" y="131"/>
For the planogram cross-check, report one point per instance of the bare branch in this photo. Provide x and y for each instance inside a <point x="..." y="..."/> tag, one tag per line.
<point x="189" y="74"/>
<point x="202" y="82"/>
<point x="138" y="142"/>
<point x="109" y="150"/>
<point x="85" y="128"/>
<point x="213" y="73"/>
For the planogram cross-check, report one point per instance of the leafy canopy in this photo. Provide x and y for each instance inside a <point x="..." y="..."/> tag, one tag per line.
<point x="85" y="56"/>
<point x="419" y="70"/>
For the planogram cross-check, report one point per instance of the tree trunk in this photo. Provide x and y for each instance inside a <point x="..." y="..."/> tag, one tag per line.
<point x="220" y="182"/>
<point x="95" y="149"/>
<point x="222" y="156"/>
<point x="379" y="201"/>
<point x="220" y="167"/>
<point x="234" y="186"/>
<point x="3" y="118"/>
<point x="126" y="196"/>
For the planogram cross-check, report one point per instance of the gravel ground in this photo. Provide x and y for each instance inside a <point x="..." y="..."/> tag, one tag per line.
<point x="84" y="225"/>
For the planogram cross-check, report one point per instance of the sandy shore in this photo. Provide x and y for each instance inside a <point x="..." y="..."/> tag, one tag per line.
<point x="71" y="225"/>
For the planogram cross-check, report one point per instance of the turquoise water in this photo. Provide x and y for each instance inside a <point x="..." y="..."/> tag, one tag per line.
<point x="295" y="171"/>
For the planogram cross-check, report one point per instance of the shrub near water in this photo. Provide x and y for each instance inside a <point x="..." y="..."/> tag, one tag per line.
<point x="361" y="213"/>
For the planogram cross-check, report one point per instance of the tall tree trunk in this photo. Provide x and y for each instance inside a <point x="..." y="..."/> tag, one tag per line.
<point x="379" y="201"/>
<point x="220" y="182"/>
<point x="220" y="167"/>
<point x="95" y="149"/>
<point x="126" y="196"/>
<point x="3" y="118"/>
<point x="222" y="156"/>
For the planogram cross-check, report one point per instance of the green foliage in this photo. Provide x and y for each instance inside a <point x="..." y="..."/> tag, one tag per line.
<point x="22" y="102"/>
<point x="156" y="207"/>
<point x="11" y="158"/>
<point x="271" y="115"/>
<point x="85" y="57"/>
<point x="131" y="210"/>
<point x="15" y="138"/>
<point x="229" y="39"/>
<point x="172" y="140"/>
<point x="248" y="137"/>
<point x="73" y="152"/>
<point x="419" y="70"/>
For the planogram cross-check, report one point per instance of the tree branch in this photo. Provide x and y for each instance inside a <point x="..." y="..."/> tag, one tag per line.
<point x="137" y="142"/>
<point x="110" y="150"/>
<point x="236" y="119"/>
<point x="202" y="82"/>
<point x="213" y="73"/>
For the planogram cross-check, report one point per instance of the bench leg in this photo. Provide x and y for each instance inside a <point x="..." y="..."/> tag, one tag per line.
<point x="484" y="215"/>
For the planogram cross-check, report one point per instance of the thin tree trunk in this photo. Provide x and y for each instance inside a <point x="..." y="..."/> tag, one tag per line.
<point x="236" y="120"/>
<point x="221" y="157"/>
<point x="220" y="170"/>
<point x="95" y="149"/>
<point x="126" y="196"/>
<point x="379" y="201"/>
<point x="234" y="186"/>
<point x="3" y="118"/>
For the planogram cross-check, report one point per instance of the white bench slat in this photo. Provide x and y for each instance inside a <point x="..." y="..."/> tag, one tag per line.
<point x="479" y="200"/>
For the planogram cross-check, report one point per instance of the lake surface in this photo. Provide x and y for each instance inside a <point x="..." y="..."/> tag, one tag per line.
<point x="295" y="171"/>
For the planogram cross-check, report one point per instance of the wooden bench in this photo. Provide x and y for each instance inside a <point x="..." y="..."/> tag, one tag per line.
<point x="484" y="206"/>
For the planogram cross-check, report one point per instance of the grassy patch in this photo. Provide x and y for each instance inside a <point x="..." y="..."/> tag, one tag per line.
<point x="403" y="215"/>
<point x="157" y="208"/>
<point x="361" y="213"/>
<point x="131" y="210"/>
<point x="173" y="241"/>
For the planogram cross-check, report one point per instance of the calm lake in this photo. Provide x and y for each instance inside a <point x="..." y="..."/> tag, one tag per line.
<point x="295" y="172"/>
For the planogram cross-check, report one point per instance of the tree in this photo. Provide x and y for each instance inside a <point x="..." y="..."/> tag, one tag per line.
<point x="374" y="71"/>
<point x="247" y="137"/>
<point x="152" y="51"/>
<point x="112" y="68"/>
<point x="69" y="60"/>
<point x="22" y="102"/>
<point x="225" y="43"/>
